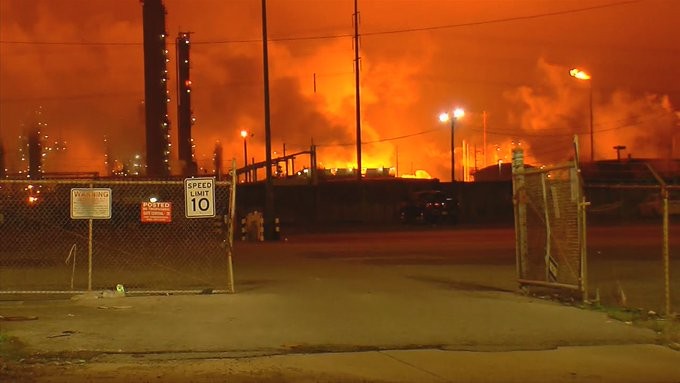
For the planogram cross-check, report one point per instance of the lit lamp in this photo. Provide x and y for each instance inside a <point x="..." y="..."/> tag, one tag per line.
<point x="444" y="117"/>
<point x="581" y="75"/>
<point x="244" y="134"/>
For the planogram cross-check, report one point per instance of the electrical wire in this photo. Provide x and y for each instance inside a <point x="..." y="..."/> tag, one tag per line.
<point x="621" y="124"/>
<point x="345" y="35"/>
<point x="380" y="140"/>
<point x="507" y="133"/>
<point x="504" y="20"/>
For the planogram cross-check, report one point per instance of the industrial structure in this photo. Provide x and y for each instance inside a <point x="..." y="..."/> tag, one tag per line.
<point x="185" y="117"/>
<point x="34" y="153"/>
<point x="156" y="90"/>
<point x="3" y="169"/>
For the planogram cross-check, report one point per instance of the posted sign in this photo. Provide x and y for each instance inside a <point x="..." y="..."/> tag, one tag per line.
<point x="159" y="212"/>
<point x="199" y="197"/>
<point x="89" y="203"/>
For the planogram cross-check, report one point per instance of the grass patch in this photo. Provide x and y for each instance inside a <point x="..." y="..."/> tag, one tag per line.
<point x="668" y="329"/>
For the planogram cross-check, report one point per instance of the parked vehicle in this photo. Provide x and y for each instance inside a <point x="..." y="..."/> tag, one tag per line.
<point x="429" y="206"/>
<point x="652" y="205"/>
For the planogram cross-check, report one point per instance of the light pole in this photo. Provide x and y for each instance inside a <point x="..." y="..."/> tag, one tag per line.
<point x="244" y="134"/>
<point x="444" y="117"/>
<point x="581" y="75"/>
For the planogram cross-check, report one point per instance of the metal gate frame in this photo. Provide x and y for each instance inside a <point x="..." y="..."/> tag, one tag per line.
<point x="523" y="253"/>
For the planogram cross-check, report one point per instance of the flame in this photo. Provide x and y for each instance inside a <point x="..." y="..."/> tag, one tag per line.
<point x="579" y="74"/>
<point x="419" y="174"/>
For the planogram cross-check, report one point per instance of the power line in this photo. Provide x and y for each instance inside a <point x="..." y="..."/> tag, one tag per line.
<point x="343" y="35"/>
<point x="622" y="124"/>
<point x="382" y="139"/>
<point x="506" y="19"/>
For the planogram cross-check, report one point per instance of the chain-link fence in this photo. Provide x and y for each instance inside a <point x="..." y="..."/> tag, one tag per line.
<point x="549" y="225"/>
<point x="633" y="232"/>
<point x="147" y="244"/>
<point x="637" y="267"/>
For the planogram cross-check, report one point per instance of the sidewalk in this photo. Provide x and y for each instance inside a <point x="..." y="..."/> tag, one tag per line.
<point x="623" y="363"/>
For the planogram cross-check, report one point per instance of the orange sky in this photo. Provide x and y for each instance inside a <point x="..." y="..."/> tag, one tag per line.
<point x="82" y="62"/>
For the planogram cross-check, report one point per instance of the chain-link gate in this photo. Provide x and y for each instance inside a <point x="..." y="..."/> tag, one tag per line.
<point x="549" y="225"/>
<point x="147" y="245"/>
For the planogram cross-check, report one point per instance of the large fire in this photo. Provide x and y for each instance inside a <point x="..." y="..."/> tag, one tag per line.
<point x="89" y="78"/>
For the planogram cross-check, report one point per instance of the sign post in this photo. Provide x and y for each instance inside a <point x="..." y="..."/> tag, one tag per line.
<point x="90" y="203"/>
<point x="199" y="197"/>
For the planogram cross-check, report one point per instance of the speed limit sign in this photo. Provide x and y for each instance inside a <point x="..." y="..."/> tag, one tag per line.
<point x="199" y="197"/>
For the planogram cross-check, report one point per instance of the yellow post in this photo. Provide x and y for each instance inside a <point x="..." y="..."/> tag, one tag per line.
<point x="89" y="253"/>
<point x="584" y="250"/>
<point x="666" y="253"/>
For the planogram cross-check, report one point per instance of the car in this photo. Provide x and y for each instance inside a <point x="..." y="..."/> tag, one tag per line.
<point x="429" y="206"/>
<point x="652" y="205"/>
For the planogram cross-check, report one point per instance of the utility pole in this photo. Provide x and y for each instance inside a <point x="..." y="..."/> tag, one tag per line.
<point x="592" y="139"/>
<point x="484" y="147"/>
<point x="357" y="86"/>
<point x="269" y="187"/>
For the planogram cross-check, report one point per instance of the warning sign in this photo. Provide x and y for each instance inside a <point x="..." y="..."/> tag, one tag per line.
<point x="156" y="212"/>
<point x="90" y="203"/>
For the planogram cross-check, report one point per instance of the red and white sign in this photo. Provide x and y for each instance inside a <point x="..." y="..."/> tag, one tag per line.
<point x="156" y="212"/>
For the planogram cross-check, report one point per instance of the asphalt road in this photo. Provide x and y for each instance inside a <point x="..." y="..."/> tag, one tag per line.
<point x="422" y="305"/>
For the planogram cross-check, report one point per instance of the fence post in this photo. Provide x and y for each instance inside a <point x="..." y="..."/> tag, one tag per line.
<point x="230" y="227"/>
<point x="584" y="250"/>
<point x="665" y="247"/>
<point x="89" y="252"/>
<point x="666" y="252"/>
<point x="519" y="200"/>
<point x="549" y="275"/>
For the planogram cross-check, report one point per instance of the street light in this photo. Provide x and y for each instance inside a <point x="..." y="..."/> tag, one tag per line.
<point x="244" y="134"/>
<point x="581" y="75"/>
<point x="444" y="117"/>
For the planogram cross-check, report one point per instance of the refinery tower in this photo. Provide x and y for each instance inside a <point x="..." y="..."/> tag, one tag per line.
<point x="156" y="96"/>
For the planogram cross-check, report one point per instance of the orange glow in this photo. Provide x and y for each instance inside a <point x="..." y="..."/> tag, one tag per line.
<point x="419" y="174"/>
<point x="406" y="77"/>
<point x="579" y="74"/>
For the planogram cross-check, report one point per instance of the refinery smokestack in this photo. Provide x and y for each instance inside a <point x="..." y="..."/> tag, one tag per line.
<point x="156" y="90"/>
<point x="3" y="170"/>
<point x="185" y="118"/>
